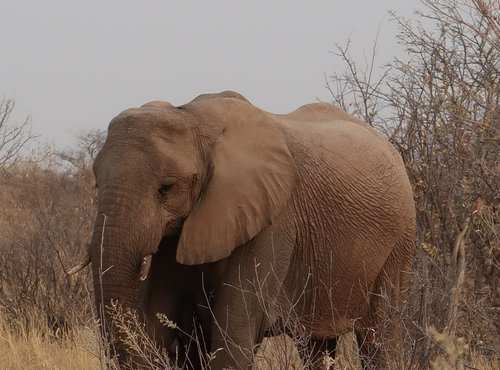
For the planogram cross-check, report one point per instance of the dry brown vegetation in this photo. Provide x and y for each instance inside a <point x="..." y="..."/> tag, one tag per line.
<point x="439" y="106"/>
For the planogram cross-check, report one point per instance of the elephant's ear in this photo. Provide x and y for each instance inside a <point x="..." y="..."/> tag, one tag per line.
<point x="252" y="176"/>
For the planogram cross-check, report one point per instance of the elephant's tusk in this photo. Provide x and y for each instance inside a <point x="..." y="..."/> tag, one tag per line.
<point x="81" y="265"/>
<point x="145" y="266"/>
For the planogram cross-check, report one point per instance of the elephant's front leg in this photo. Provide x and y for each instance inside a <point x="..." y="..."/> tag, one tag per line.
<point x="247" y="300"/>
<point x="236" y="331"/>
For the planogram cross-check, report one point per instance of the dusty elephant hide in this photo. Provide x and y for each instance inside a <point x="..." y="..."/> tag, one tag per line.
<point x="257" y="223"/>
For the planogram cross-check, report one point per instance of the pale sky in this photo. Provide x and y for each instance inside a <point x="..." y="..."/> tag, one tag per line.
<point x="73" y="65"/>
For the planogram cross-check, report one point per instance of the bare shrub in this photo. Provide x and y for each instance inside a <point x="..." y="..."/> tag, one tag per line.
<point x="45" y="222"/>
<point x="440" y="107"/>
<point x="13" y="135"/>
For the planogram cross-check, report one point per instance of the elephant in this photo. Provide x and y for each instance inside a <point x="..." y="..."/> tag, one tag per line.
<point x="237" y="224"/>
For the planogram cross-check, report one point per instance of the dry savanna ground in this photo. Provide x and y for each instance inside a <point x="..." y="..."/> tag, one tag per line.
<point x="439" y="106"/>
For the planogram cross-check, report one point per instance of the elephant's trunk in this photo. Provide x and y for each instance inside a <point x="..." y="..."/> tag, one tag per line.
<point x="116" y="258"/>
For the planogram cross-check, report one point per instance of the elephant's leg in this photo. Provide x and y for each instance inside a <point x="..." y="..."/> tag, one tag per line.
<point x="248" y="300"/>
<point x="318" y="349"/>
<point x="192" y="340"/>
<point x="170" y="293"/>
<point x="378" y="332"/>
<point x="237" y="330"/>
<point x="368" y="345"/>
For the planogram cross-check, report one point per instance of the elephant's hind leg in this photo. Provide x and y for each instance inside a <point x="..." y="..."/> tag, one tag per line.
<point x="317" y="352"/>
<point x="379" y="332"/>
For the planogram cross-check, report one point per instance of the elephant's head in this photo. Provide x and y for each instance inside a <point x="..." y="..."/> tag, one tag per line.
<point x="212" y="173"/>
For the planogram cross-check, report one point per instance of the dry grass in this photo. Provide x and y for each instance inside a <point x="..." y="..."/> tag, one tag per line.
<point x="39" y="348"/>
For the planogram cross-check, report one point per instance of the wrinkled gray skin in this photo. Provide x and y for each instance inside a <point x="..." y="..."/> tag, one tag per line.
<point x="311" y="210"/>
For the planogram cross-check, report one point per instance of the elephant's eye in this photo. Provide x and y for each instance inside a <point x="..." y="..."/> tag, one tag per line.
<point x="165" y="188"/>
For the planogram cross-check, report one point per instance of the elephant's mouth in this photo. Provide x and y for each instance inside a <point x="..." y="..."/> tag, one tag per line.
<point x="173" y="228"/>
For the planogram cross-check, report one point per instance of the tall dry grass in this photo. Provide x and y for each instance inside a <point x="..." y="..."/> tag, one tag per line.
<point x="38" y="347"/>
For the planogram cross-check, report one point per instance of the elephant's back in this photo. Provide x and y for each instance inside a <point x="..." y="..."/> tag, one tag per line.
<point x="343" y="142"/>
<point x="347" y="149"/>
<point x="352" y="172"/>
